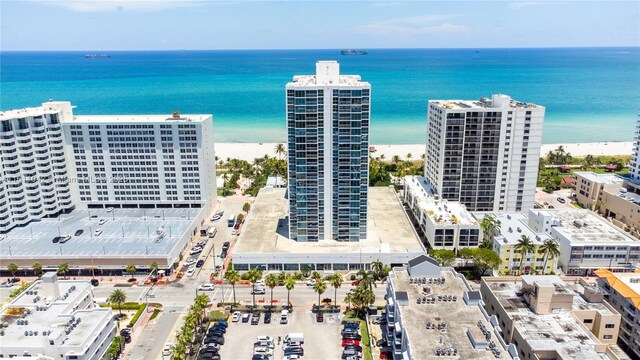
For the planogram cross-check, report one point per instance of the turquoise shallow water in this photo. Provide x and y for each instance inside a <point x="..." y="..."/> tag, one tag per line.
<point x="590" y="94"/>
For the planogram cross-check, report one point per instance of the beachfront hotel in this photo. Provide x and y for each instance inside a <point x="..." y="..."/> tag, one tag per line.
<point x="33" y="184"/>
<point x="140" y="161"/>
<point x="484" y="153"/>
<point x="328" y="151"/>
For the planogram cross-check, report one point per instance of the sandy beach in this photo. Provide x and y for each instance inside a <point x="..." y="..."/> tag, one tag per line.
<point x="250" y="151"/>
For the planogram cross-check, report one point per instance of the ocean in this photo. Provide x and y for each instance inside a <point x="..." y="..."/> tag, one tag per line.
<point x="590" y="94"/>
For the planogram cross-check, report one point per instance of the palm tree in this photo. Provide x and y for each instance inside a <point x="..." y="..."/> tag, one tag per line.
<point x="289" y="283"/>
<point x="232" y="276"/>
<point x="12" y="268"/>
<point x="319" y="287"/>
<point x="305" y="269"/>
<point x="254" y="275"/>
<point x="551" y="249"/>
<point x="525" y="246"/>
<point x="409" y="156"/>
<point x="118" y="297"/>
<point x="377" y="267"/>
<point x="63" y="269"/>
<point x="489" y="226"/>
<point x="37" y="268"/>
<point x="336" y="281"/>
<point x="348" y="299"/>
<point x="131" y="269"/>
<point x="153" y="267"/>
<point x="279" y="150"/>
<point x="395" y="159"/>
<point x="271" y="281"/>
<point x="365" y="278"/>
<point x="202" y="302"/>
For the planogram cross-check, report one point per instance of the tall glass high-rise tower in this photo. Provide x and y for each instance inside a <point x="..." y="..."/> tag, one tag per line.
<point x="328" y="152"/>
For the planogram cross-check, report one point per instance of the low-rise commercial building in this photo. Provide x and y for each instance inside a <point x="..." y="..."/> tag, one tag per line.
<point x="548" y="317"/>
<point x="423" y="295"/>
<point x="587" y="241"/>
<point x="445" y="224"/>
<point x="622" y="291"/>
<point x="56" y="320"/>
<point x="513" y="227"/>
<point x="589" y="187"/>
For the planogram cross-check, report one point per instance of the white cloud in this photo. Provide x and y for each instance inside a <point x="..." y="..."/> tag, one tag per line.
<point x="389" y="3"/>
<point x="425" y="24"/>
<point x="87" y="6"/>
<point x="524" y="4"/>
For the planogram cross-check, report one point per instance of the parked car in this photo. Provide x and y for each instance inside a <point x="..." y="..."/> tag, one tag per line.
<point x="234" y="232"/>
<point x="206" y="287"/>
<point x="78" y="232"/>
<point x="98" y="232"/>
<point x="102" y="221"/>
<point x="357" y="348"/>
<point x="349" y="352"/>
<point x="294" y="351"/>
<point x="190" y="261"/>
<point x="226" y="245"/>
<point x="255" y="319"/>
<point x="56" y="239"/>
<point x="561" y="200"/>
<point x="349" y="330"/>
<point x="258" y="291"/>
<point x="311" y="282"/>
<point x="245" y="317"/>
<point x="214" y="340"/>
<point x="267" y="317"/>
<point x="200" y="263"/>
<point x="353" y="336"/>
<point x="191" y="271"/>
<point x="166" y="351"/>
<point x="351" y="342"/>
<point x="65" y="238"/>
<point x="259" y="357"/>
<point x="319" y="317"/>
<point x="263" y="350"/>
<point x="109" y="209"/>
<point x="95" y="282"/>
<point x="236" y="316"/>
<point x="195" y="251"/>
<point x="222" y="323"/>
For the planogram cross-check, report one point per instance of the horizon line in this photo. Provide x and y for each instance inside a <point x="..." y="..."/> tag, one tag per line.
<point x="339" y="49"/>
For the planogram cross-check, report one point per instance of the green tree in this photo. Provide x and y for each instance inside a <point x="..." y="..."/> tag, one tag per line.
<point x="37" y="268"/>
<point x="443" y="257"/>
<point x="525" y="246"/>
<point x="153" y="268"/>
<point x="395" y="159"/>
<point x="279" y="150"/>
<point x="289" y="284"/>
<point x="240" y="218"/>
<point x="320" y="288"/>
<point x="348" y="299"/>
<point x="201" y="303"/>
<point x="118" y="297"/>
<point x="254" y="275"/>
<point x="12" y="269"/>
<point x="490" y="226"/>
<point x="336" y="281"/>
<point x="246" y="207"/>
<point x="485" y="259"/>
<point x="467" y="253"/>
<point x="305" y="269"/>
<point x="551" y="249"/>
<point x="131" y="269"/>
<point x="409" y="156"/>
<point x="232" y="276"/>
<point x="365" y="278"/>
<point x="363" y="297"/>
<point x="63" y="269"/>
<point x="271" y="281"/>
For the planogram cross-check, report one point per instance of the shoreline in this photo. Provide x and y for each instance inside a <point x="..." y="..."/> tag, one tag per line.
<point x="250" y="151"/>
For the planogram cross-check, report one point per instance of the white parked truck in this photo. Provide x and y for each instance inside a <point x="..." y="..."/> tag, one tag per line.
<point x="299" y="337"/>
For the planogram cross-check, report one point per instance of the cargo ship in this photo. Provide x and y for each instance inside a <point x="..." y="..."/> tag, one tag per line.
<point x="96" y="56"/>
<point x="354" y="52"/>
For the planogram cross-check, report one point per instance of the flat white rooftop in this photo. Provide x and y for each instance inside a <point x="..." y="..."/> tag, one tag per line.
<point x="484" y="104"/>
<point x="182" y="118"/>
<point x="582" y="226"/>
<point x="513" y="226"/>
<point x="599" y="178"/>
<point x="265" y="233"/>
<point x="30" y="111"/>
<point x="441" y="212"/>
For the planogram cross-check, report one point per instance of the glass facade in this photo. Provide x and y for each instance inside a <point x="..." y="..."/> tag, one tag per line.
<point x="328" y="162"/>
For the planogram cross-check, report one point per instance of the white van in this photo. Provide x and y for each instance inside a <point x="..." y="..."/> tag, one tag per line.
<point x="284" y="316"/>
<point x="212" y="232"/>
<point x="298" y="337"/>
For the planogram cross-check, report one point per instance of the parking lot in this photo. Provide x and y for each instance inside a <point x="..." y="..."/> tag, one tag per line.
<point x="321" y="340"/>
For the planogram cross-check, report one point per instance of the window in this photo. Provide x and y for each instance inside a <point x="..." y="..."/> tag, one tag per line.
<point x="607" y="337"/>
<point x="588" y="321"/>
<point x="610" y="326"/>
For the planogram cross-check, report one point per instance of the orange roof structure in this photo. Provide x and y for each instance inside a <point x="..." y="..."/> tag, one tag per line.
<point x="622" y="288"/>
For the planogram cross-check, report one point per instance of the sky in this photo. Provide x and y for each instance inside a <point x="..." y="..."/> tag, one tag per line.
<point x="81" y="25"/>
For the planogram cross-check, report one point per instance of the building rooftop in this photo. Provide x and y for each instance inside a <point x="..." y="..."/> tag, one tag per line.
<point x="513" y="226"/>
<point x="557" y="331"/>
<point x="327" y="74"/>
<point x="582" y="226"/>
<point x="497" y="101"/>
<point x="180" y="118"/>
<point x="35" y="315"/>
<point x="599" y="178"/>
<point x="461" y="320"/>
<point x="135" y="233"/>
<point x="440" y="211"/>
<point x="266" y="228"/>
<point x="626" y="284"/>
<point x="45" y="108"/>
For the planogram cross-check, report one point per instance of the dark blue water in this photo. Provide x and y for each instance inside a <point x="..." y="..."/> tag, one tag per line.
<point x="590" y="94"/>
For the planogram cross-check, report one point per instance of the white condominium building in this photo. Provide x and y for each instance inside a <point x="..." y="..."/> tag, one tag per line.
<point x="484" y="153"/>
<point x="54" y="319"/>
<point x="328" y="151"/>
<point x="33" y="182"/>
<point x="140" y="161"/>
<point x="635" y="157"/>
